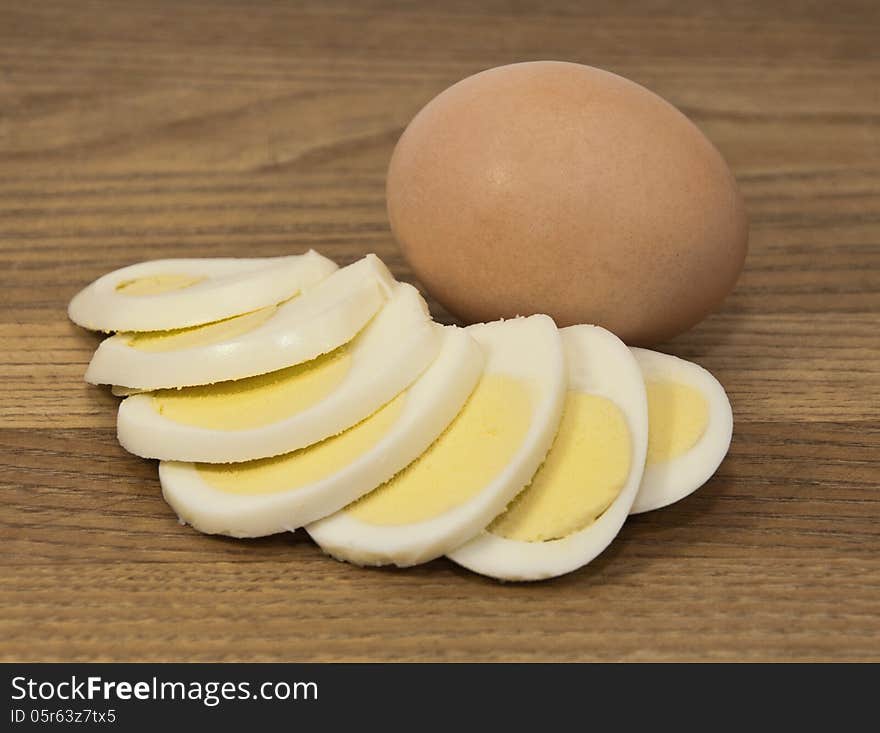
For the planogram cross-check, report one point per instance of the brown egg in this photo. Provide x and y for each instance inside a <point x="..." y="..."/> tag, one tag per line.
<point x="557" y="188"/>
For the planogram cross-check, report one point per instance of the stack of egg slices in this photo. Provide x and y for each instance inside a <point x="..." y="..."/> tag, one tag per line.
<point x="285" y="392"/>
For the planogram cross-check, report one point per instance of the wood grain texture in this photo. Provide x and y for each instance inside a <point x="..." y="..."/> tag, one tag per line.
<point x="135" y="130"/>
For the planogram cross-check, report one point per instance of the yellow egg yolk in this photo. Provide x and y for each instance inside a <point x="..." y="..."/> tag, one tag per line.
<point x="307" y="465"/>
<point x="256" y="401"/>
<point x="157" y="284"/>
<point x="678" y="415"/>
<point x="471" y="453"/>
<point x="582" y="475"/>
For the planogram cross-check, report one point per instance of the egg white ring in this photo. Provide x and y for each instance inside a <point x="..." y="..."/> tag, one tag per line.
<point x="598" y="363"/>
<point x="386" y="357"/>
<point x="524" y="348"/>
<point x="430" y="405"/>
<point x="232" y="286"/>
<point x="323" y="318"/>
<point x="666" y="483"/>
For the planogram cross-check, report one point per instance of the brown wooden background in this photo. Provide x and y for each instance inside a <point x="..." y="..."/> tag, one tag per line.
<point x="135" y="130"/>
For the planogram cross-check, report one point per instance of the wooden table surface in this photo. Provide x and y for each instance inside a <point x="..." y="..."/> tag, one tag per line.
<point x="138" y="130"/>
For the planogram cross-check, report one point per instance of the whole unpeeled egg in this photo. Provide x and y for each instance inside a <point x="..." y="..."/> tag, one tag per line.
<point x="552" y="187"/>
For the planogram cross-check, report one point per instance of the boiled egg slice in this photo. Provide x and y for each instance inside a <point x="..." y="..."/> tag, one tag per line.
<point x="690" y="427"/>
<point x="471" y="472"/>
<point x="580" y="497"/>
<point x="168" y="294"/>
<point x="291" y="408"/>
<point x="323" y="318"/>
<point x="271" y="495"/>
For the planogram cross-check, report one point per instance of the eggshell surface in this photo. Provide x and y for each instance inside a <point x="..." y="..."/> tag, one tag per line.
<point x="551" y="187"/>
